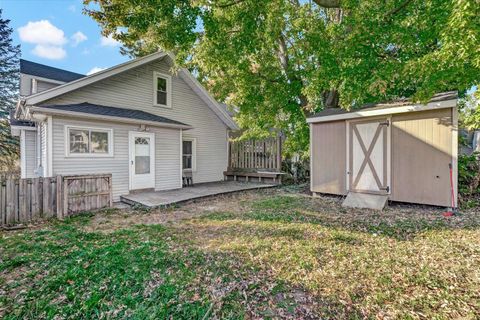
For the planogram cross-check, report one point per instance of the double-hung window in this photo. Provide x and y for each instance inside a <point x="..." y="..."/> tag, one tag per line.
<point x="162" y="95"/>
<point x="88" y="142"/>
<point x="188" y="154"/>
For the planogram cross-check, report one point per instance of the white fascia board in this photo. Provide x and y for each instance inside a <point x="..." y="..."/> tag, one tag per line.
<point x="380" y="112"/>
<point x="47" y="111"/>
<point x="45" y="79"/>
<point x="208" y="99"/>
<point x="82" y="82"/>
<point x="26" y="128"/>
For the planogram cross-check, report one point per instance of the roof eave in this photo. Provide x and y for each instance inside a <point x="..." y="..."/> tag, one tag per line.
<point x="451" y="103"/>
<point x="32" y="110"/>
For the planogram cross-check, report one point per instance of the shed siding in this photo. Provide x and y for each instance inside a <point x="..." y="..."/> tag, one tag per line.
<point x="328" y="156"/>
<point x="167" y="155"/>
<point x="30" y="153"/>
<point x="134" y="89"/>
<point x="421" y="152"/>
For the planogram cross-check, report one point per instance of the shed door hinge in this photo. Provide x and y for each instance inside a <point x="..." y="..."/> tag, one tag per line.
<point x="386" y="123"/>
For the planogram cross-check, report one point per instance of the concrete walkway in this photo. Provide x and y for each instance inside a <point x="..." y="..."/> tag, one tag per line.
<point x="166" y="198"/>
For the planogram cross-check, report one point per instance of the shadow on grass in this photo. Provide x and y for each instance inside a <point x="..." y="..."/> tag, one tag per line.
<point x="141" y="272"/>
<point x="400" y="222"/>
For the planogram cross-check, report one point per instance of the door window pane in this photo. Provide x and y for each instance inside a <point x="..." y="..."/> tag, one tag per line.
<point x="79" y="141"/>
<point x="99" y="142"/>
<point x="142" y="155"/>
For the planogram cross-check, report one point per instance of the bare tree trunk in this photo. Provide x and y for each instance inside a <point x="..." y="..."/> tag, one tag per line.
<point x="331" y="98"/>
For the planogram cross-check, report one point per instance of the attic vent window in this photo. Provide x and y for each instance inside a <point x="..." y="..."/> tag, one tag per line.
<point x="162" y="95"/>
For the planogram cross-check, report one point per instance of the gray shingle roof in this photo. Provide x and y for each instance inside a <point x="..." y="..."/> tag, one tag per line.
<point x="444" y="96"/>
<point x="41" y="70"/>
<point x="86" y="107"/>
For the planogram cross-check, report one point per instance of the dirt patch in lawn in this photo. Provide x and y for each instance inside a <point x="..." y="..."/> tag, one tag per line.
<point x="111" y="220"/>
<point x="401" y="220"/>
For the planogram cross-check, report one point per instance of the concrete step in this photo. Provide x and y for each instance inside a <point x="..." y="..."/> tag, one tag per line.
<point x="365" y="200"/>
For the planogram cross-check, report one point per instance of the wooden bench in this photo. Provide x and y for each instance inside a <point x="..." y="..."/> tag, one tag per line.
<point x="257" y="176"/>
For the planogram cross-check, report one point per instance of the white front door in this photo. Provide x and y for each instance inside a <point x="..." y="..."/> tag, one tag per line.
<point x="369" y="151"/>
<point x="141" y="160"/>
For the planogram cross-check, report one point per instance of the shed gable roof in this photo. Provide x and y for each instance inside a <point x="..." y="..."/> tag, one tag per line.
<point x="439" y="100"/>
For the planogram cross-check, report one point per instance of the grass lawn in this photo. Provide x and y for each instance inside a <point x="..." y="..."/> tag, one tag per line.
<point x="267" y="254"/>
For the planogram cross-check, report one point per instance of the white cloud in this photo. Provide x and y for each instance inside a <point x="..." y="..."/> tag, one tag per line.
<point x="109" y="41"/>
<point x="49" y="52"/>
<point x="48" y="39"/>
<point x="42" y="32"/>
<point x="78" y="37"/>
<point x="95" y="70"/>
<point x="72" y="8"/>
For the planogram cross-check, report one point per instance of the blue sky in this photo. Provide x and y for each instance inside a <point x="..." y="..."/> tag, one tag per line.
<point x="56" y="33"/>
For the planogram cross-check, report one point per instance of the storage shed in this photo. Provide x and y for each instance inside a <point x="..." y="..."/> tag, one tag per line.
<point x="399" y="150"/>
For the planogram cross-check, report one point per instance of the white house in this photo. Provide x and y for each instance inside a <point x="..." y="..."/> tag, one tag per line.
<point x="139" y="121"/>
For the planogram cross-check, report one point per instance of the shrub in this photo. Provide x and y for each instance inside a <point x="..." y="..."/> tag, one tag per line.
<point x="469" y="179"/>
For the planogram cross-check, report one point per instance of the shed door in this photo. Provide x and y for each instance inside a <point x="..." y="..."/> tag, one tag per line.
<point x="369" y="156"/>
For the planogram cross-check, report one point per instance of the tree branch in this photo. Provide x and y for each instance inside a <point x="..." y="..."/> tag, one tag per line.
<point x="328" y="3"/>
<point x="398" y="9"/>
<point x="226" y="5"/>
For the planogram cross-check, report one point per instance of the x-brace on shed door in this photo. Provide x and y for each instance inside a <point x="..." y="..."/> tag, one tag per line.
<point x="369" y="156"/>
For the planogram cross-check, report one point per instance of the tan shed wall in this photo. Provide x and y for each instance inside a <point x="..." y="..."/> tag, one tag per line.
<point x="421" y="152"/>
<point x="328" y="157"/>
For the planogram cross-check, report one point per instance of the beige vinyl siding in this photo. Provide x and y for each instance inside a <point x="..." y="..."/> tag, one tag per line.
<point x="43" y="85"/>
<point x="30" y="153"/>
<point x="421" y="152"/>
<point x="134" y="89"/>
<point x="167" y="155"/>
<point x="328" y="156"/>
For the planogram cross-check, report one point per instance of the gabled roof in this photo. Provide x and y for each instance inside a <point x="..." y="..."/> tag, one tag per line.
<point x="439" y="100"/>
<point x="183" y="73"/>
<point x="100" y="112"/>
<point x="43" y="71"/>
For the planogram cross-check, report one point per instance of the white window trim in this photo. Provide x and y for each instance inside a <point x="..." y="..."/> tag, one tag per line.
<point x="194" y="153"/>
<point x="167" y="77"/>
<point x="88" y="155"/>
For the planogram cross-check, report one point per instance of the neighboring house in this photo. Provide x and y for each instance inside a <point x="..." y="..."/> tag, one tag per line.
<point x="398" y="151"/>
<point x="138" y="121"/>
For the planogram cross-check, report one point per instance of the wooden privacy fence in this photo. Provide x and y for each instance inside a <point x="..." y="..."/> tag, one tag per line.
<point x="25" y="200"/>
<point x="262" y="154"/>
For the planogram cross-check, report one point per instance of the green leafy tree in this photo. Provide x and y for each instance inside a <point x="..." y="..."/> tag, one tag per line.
<point x="470" y="111"/>
<point x="9" y="75"/>
<point x="279" y="60"/>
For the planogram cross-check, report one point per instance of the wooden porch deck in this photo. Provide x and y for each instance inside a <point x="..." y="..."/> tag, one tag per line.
<point x="153" y="199"/>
